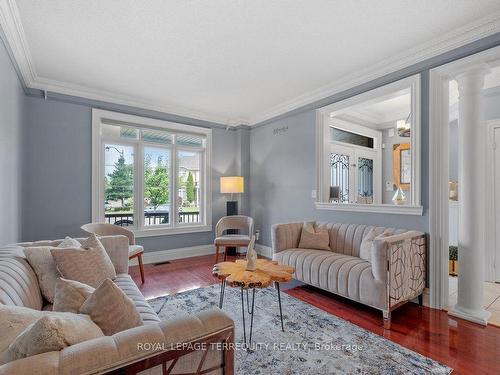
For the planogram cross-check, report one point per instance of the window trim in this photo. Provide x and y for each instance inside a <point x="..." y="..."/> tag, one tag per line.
<point x="115" y="118"/>
<point x="323" y="121"/>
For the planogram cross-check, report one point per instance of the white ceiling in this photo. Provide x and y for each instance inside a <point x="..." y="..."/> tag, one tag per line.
<point x="229" y="61"/>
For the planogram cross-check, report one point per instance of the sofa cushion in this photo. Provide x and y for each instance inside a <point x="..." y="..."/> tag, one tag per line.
<point x="70" y="295"/>
<point x="111" y="309"/>
<point x="40" y="258"/>
<point x="314" y="238"/>
<point x="51" y="332"/>
<point x="90" y="266"/>
<point x="129" y="287"/>
<point x="341" y="274"/>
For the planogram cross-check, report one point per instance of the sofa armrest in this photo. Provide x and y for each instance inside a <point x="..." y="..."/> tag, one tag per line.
<point x="141" y="348"/>
<point x="399" y="262"/>
<point x="285" y="236"/>
<point x="117" y="249"/>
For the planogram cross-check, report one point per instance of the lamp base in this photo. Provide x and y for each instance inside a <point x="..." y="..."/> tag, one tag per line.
<point x="231" y="210"/>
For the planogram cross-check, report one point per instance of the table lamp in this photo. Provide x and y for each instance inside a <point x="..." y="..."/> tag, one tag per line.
<point x="232" y="185"/>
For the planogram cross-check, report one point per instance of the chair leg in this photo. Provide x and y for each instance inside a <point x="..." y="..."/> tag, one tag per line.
<point x="216" y="254"/>
<point x="421" y="299"/>
<point x="141" y="267"/>
<point x="225" y="253"/>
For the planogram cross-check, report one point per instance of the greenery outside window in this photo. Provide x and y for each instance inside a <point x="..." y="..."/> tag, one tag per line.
<point x="149" y="175"/>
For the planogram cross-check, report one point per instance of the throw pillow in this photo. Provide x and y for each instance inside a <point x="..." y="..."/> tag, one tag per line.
<point x="13" y="321"/>
<point x="70" y="295"/>
<point x="365" y="250"/>
<point x="111" y="309"/>
<point x="51" y="332"/>
<point x="313" y="238"/>
<point x="40" y="259"/>
<point x="91" y="266"/>
<point x="69" y="242"/>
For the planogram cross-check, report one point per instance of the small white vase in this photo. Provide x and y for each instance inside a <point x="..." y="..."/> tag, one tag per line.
<point x="399" y="197"/>
<point x="251" y="256"/>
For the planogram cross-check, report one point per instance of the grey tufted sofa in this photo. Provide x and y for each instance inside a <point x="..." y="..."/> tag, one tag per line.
<point x="120" y="353"/>
<point x="394" y="275"/>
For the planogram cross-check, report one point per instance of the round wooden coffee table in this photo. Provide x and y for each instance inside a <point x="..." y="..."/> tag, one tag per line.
<point x="235" y="275"/>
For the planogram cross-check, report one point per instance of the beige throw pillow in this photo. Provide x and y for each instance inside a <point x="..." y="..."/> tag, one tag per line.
<point x="51" y="332"/>
<point x="91" y="266"/>
<point x="313" y="238"/>
<point x="111" y="309"/>
<point x="40" y="259"/>
<point x="14" y="320"/>
<point x="70" y="295"/>
<point x="365" y="250"/>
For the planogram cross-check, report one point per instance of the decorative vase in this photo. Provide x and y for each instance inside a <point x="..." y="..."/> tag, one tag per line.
<point x="399" y="197"/>
<point x="251" y="256"/>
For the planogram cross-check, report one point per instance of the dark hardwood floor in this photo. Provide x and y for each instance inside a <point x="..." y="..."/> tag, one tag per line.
<point x="466" y="347"/>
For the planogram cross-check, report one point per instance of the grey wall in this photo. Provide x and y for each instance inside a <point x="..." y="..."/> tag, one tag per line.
<point x="57" y="171"/>
<point x="12" y="102"/>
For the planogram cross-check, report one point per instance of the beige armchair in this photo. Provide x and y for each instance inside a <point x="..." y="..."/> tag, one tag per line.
<point x="236" y="222"/>
<point x="105" y="229"/>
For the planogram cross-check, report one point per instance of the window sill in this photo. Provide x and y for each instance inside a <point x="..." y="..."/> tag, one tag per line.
<point x="372" y="208"/>
<point x="154" y="232"/>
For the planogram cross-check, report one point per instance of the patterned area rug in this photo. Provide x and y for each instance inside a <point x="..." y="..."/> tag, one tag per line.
<point x="314" y="341"/>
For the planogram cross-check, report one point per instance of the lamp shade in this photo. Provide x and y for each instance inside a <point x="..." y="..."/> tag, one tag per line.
<point x="231" y="185"/>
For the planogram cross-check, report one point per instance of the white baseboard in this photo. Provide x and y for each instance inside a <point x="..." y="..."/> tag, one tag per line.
<point x="171" y="254"/>
<point x="264" y="251"/>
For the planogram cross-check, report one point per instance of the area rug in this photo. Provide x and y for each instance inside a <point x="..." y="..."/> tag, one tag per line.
<point x="314" y="341"/>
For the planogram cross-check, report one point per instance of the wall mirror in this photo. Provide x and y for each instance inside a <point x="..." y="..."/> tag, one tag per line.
<point x="368" y="151"/>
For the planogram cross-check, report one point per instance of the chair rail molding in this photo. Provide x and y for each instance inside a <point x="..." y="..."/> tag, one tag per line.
<point x="11" y="25"/>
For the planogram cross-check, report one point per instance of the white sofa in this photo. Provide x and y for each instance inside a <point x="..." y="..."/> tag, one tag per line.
<point x="119" y="353"/>
<point x="394" y="275"/>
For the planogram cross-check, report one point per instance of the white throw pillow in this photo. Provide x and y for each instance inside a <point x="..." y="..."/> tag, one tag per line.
<point x="365" y="250"/>
<point x="47" y="331"/>
<point x="40" y="259"/>
<point x="69" y="242"/>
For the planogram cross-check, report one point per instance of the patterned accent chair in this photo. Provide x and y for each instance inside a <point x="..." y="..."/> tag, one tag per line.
<point x="394" y="274"/>
<point x="206" y="338"/>
<point x="106" y="229"/>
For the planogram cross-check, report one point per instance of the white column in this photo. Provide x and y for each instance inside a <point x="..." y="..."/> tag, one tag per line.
<point x="471" y="190"/>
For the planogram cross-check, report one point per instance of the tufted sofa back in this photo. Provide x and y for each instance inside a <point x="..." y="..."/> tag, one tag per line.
<point x="18" y="281"/>
<point x="346" y="238"/>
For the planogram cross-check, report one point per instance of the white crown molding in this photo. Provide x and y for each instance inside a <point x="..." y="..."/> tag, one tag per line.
<point x="11" y="25"/>
<point x="466" y="34"/>
<point x="12" y="28"/>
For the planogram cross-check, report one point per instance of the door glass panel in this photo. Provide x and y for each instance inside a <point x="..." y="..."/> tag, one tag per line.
<point x="119" y="184"/>
<point x="365" y="181"/>
<point x="189" y="186"/>
<point x="339" y="178"/>
<point x="156" y="186"/>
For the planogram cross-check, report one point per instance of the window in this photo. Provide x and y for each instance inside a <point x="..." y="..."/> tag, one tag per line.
<point x="150" y="175"/>
<point x="368" y="147"/>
